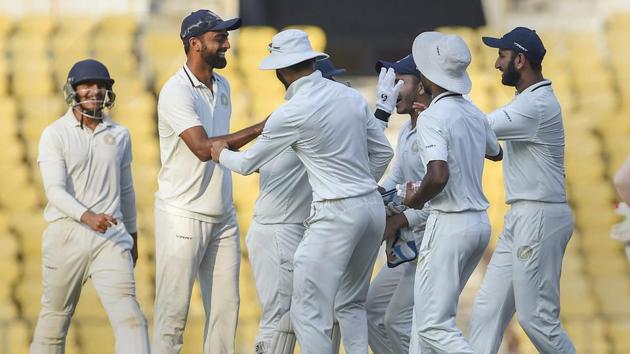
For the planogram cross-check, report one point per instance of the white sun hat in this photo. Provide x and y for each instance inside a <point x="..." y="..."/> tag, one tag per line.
<point x="288" y="48"/>
<point x="443" y="59"/>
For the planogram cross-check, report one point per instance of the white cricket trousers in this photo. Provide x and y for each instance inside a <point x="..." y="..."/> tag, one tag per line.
<point x="270" y="249"/>
<point x="72" y="253"/>
<point x="332" y="266"/>
<point x="452" y="246"/>
<point x="523" y="276"/>
<point x="186" y="249"/>
<point x="390" y="309"/>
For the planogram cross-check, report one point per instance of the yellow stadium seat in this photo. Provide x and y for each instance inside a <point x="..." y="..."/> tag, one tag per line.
<point x="316" y="35"/>
<point x="37" y="24"/>
<point x="4" y="74"/>
<point x="618" y="21"/>
<point x="96" y="335"/>
<point x="36" y="83"/>
<point x="118" y="24"/>
<point x="78" y="25"/>
<point x="17" y="337"/>
<point x="618" y="331"/>
<point x="588" y="336"/>
<point x="37" y="46"/>
<point x="6" y="25"/>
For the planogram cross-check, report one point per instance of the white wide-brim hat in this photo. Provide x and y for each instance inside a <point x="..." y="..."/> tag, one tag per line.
<point x="288" y="48"/>
<point x="443" y="59"/>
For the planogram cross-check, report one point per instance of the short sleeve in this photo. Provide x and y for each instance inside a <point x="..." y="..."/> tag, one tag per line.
<point x="433" y="140"/>
<point x="516" y="121"/>
<point x="176" y="108"/>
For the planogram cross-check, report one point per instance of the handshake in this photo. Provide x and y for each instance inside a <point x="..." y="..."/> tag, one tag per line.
<point x="216" y="147"/>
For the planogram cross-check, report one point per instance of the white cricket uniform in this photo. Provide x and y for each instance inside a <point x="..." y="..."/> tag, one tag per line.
<point x="452" y="129"/>
<point x="278" y="227"/>
<point x="524" y="272"/>
<point x="390" y="297"/>
<point x="344" y="150"/>
<point x="196" y="234"/>
<point x="87" y="170"/>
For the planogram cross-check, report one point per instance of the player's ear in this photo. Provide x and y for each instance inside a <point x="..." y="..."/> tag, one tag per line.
<point x="195" y="44"/>
<point x="519" y="61"/>
<point x="420" y="89"/>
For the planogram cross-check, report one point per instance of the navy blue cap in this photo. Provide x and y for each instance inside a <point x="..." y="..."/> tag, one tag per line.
<point x="521" y="40"/>
<point x="89" y="70"/>
<point x="404" y="66"/>
<point x="328" y="69"/>
<point x="202" y="21"/>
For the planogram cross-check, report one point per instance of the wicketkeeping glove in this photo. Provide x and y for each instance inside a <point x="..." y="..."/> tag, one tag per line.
<point x="387" y="90"/>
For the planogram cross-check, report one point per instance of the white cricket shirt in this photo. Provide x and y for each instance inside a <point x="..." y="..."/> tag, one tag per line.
<point x="333" y="133"/>
<point x="84" y="170"/>
<point x="407" y="166"/>
<point x="533" y="160"/>
<point x="187" y="186"/>
<point x="285" y="194"/>
<point x="452" y="129"/>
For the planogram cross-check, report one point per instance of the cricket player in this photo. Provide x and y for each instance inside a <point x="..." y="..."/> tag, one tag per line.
<point x="282" y="206"/>
<point x="454" y="138"/>
<point x="85" y="162"/>
<point x="390" y="297"/>
<point x="196" y="231"/>
<point x="524" y="272"/>
<point x="344" y="150"/>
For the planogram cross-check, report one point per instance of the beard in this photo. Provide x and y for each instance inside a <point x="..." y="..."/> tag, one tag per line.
<point x="214" y="60"/>
<point x="281" y="78"/>
<point x="511" y="76"/>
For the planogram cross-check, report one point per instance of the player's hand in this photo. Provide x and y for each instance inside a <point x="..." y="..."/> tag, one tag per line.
<point x="387" y="90"/>
<point x="216" y="149"/>
<point x="98" y="222"/>
<point x="419" y="107"/>
<point x="393" y="224"/>
<point x="409" y="194"/>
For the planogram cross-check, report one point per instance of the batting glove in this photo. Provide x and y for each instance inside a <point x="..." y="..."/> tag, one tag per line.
<point x="387" y="90"/>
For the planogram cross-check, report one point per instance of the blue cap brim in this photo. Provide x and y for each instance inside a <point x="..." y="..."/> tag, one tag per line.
<point x="398" y="69"/>
<point x="228" y="25"/>
<point x="498" y="43"/>
<point x="336" y="72"/>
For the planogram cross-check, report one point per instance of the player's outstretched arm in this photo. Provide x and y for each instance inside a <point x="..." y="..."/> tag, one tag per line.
<point x="201" y="145"/>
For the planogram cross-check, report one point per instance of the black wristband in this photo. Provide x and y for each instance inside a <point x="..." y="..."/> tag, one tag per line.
<point x="382" y="115"/>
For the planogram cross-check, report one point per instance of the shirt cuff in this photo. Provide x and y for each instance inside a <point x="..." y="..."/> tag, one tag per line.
<point x="78" y="212"/>
<point x="382" y="115"/>
<point x="227" y="159"/>
<point x="130" y="226"/>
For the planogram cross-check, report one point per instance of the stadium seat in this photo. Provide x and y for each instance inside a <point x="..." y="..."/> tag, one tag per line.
<point x="36" y="24"/>
<point x="96" y="335"/>
<point x="17" y="337"/>
<point x="316" y="35"/>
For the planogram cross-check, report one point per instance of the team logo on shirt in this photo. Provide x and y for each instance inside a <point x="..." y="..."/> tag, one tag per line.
<point x="224" y="99"/>
<point x="415" y="147"/>
<point x="524" y="253"/>
<point x="109" y="139"/>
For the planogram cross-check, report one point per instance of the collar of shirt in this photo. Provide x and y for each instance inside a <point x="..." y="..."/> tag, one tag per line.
<point x="301" y="82"/>
<point x="193" y="79"/>
<point x="443" y="95"/>
<point x="535" y="86"/>
<point x="72" y="120"/>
